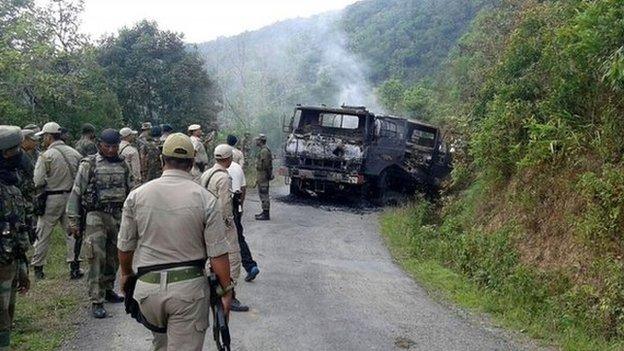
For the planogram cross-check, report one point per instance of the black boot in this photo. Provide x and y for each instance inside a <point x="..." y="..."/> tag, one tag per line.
<point x="112" y="297"/>
<point x="98" y="311"/>
<point x="238" y="307"/>
<point x="39" y="273"/>
<point x="74" y="270"/>
<point x="264" y="216"/>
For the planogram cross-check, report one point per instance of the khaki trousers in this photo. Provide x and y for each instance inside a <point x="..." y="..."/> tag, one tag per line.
<point x="181" y="306"/>
<point x="233" y="251"/>
<point x="54" y="214"/>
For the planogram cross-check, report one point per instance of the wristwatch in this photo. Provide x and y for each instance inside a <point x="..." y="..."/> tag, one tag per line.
<point x="221" y="291"/>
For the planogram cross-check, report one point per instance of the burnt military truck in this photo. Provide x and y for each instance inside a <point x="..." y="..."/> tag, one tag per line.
<point x="349" y="149"/>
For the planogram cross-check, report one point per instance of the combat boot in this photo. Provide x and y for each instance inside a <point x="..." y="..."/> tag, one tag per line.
<point x="39" y="273"/>
<point x="253" y="272"/>
<point x="264" y="216"/>
<point x="98" y="311"/>
<point x="112" y="297"/>
<point x="74" y="270"/>
<point x="237" y="306"/>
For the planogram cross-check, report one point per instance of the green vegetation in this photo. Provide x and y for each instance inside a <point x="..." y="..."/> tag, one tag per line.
<point x="47" y="315"/>
<point x="49" y="71"/>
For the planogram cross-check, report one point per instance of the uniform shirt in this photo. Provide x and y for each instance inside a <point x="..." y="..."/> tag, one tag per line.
<point x="264" y="165"/>
<point x="238" y="177"/>
<point x="217" y="180"/>
<point x="51" y="169"/>
<point x="171" y="219"/>
<point x="86" y="147"/>
<point x="200" y="150"/>
<point x="238" y="157"/>
<point x="131" y="156"/>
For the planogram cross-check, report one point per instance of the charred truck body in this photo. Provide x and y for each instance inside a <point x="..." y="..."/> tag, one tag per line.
<point x="349" y="149"/>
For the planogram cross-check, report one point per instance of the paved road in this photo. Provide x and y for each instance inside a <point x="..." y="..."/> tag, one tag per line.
<point x="327" y="283"/>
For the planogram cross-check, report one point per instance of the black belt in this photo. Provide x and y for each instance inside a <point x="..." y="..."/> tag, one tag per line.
<point x="58" y="192"/>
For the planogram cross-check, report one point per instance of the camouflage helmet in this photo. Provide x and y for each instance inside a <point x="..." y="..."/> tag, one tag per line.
<point x="10" y="137"/>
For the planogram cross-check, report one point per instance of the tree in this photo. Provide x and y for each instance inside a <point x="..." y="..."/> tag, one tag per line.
<point x="157" y="79"/>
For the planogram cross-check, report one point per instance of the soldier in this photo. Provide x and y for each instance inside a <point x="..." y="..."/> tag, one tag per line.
<point x="156" y="135"/>
<point x="86" y="145"/>
<point x="30" y="145"/>
<point x="130" y="153"/>
<point x="217" y="181"/>
<point x="149" y="154"/>
<point x="33" y="127"/>
<point x="26" y="172"/>
<point x="167" y="129"/>
<point x="264" y="175"/>
<point x="54" y="174"/>
<point x="239" y="190"/>
<point x="169" y="228"/>
<point x="201" y="158"/>
<point x="101" y="186"/>
<point x="13" y="241"/>
<point x="237" y="155"/>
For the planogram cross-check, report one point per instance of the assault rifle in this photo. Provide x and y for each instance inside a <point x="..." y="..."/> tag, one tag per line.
<point x="220" y="329"/>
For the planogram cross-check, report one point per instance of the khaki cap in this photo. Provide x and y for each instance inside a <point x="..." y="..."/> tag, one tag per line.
<point x="50" y="128"/>
<point x="30" y="134"/>
<point x="33" y="126"/>
<point x="125" y="131"/>
<point x="178" y="145"/>
<point x="222" y="152"/>
<point x="146" y="125"/>
<point x="10" y="137"/>
<point x="194" y="127"/>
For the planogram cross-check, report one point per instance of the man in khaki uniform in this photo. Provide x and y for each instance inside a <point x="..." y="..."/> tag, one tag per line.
<point x="217" y="180"/>
<point x="264" y="175"/>
<point x="169" y="228"/>
<point x="130" y="153"/>
<point x="54" y="173"/>
<point x="100" y="189"/>
<point x="201" y="158"/>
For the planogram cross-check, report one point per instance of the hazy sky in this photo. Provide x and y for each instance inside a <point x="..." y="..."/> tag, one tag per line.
<point x="199" y="20"/>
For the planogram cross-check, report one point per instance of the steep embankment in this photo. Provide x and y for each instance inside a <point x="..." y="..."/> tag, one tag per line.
<point x="533" y="217"/>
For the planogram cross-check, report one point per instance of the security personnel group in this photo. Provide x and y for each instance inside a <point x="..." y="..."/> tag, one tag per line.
<point x="162" y="208"/>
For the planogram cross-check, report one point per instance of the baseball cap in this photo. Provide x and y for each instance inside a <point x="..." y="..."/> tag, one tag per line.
<point x="223" y="151"/>
<point x="178" y="145"/>
<point x="146" y="125"/>
<point x="194" y="127"/>
<point x="10" y="137"/>
<point x="50" y="128"/>
<point x="125" y="131"/>
<point x="30" y="134"/>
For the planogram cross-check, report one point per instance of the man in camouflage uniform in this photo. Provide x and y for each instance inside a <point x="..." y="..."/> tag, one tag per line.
<point x="264" y="175"/>
<point x="217" y="181"/>
<point x="101" y="186"/>
<point x="26" y="172"/>
<point x="13" y="239"/>
<point x="149" y="154"/>
<point x="54" y="173"/>
<point x="86" y="145"/>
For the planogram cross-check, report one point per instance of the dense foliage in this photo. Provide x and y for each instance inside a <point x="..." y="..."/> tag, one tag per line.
<point x="49" y="71"/>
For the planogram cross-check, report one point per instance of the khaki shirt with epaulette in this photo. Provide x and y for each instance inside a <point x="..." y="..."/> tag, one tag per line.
<point x="171" y="219"/>
<point x="55" y="172"/>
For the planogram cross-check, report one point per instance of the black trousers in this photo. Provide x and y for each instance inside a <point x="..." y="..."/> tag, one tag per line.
<point x="246" y="259"/>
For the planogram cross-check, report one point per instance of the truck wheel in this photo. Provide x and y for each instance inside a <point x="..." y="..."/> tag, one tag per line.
<point x="382" y="189"/>
<point x="295" y="189"/>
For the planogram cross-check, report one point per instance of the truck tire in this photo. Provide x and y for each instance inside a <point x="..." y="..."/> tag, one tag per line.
<point x="295" y="188"/>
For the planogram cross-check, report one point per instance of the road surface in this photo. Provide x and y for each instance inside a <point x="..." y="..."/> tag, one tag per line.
<point x="327" y="283"/>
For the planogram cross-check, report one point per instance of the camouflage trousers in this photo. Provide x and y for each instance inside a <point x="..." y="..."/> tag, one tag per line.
<point x="8" y="288"/>
<point x="263" y="191"/>
<point x="100" y="251"/>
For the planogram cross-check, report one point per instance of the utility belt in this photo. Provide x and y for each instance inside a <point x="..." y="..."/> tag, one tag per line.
<point x="111" y="208"/>
<point x="154" y="274"/>
<point x="39" y="201"/>
<point x="57" y="192"/>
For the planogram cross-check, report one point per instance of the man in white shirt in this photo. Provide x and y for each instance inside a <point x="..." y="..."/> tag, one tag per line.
<point x="239" y="188"/>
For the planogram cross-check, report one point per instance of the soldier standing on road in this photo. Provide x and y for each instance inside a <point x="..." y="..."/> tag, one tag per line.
<point x="149" y="154"/>
<point x="217" y="181"/>
<point x="239" y="190"/>
<point x="130" y="153"/>
<point x="201" y="158"/>
<point x="101" y="186"/>
<point x="86" y="145"/>
<point x="169" y="228"/>
<point x="264" y="175"/>
<point x="237" y="155"/>
<point x="14" y="240"/>
<point x="54" y="173"/>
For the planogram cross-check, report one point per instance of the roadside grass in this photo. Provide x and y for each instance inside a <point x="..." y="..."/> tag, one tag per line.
<point x="47" y="315"/>
<point x="524" y="302"/>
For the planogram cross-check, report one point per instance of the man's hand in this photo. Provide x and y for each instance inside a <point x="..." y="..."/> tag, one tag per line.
<point x="123" y="279"/>
<point x="74" y="231"/>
